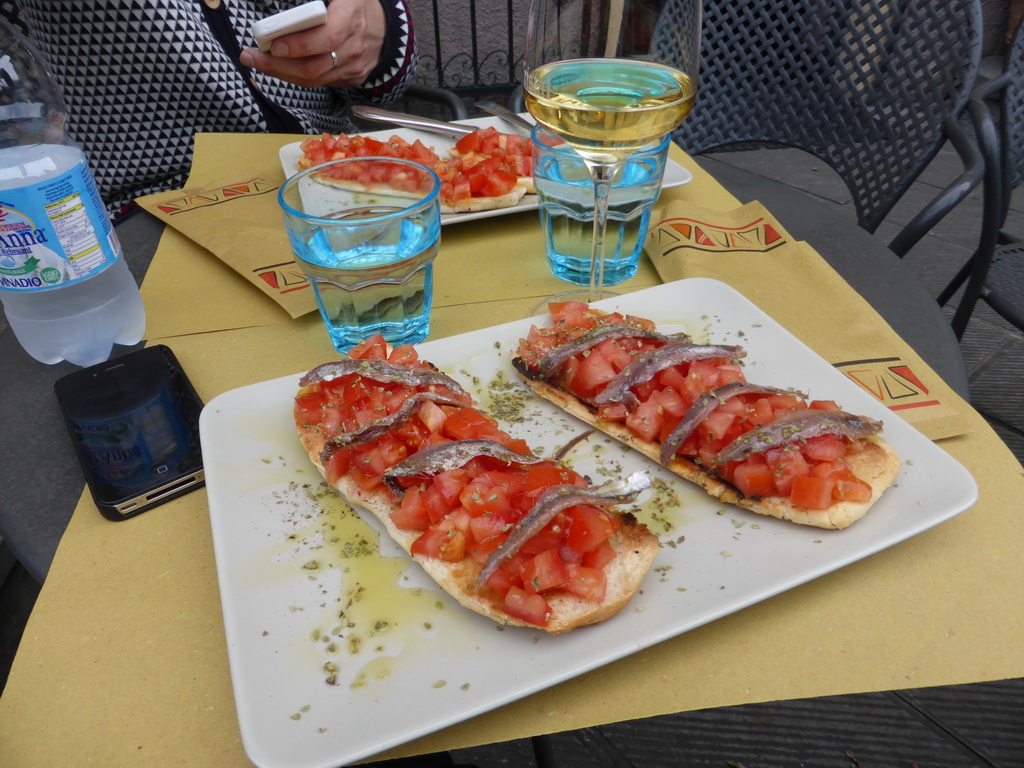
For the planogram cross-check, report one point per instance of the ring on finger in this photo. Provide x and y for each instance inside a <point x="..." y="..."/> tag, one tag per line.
<point x="334" y="60"/>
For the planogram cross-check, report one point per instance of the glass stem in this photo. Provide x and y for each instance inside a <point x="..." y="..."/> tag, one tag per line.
<point x="602" y="175"/>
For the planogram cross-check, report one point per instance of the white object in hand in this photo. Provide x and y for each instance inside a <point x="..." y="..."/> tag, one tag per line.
<point x="305" y="16"/>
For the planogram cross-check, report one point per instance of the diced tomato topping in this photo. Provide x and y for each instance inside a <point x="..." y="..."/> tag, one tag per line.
<point x="486" y="527"/>
<point x="824" y="405"/>
<point x="568" y="313"/>
<point x="404" y="354"/>
<point x="550" y="537"/>
<point x="542" y="476"/>
<point x="671" y="402"/>
<point x="812" y="492"/>
<point x="422" y="153"/>
<point x="338" y="465"/>
<point x="450" y="484"/>
<point x="646" y="419"/>
<point x="664" y="400"/>
<point x="385" y="452"/>
<point x="588" y="583"/>
<point x="363" y="479"/>
<point x="760" y="412"/>
<point x="520" y="164"/>
<point x="645" y="390"/>
<point x="411" y="515"/>
<point x="717" y="424"/>
<point x="544" y="571"/>
<point x="599" y="557"/>
<point x="500" y="581"/>
<point x="466" y="512"/>
<point x="616" y="353"/>
<point x="530" y="608"/>
<point x="783" y="403"/>
<point x="432" y="415"/>
<point x="674" y="377"/>
<point x="496" y="160"/>
<point x="374" y="348"/>
<point x="469" y="143"/>
<point x="707" y="453"/>
<point x="449" y="545"/>
<point x="436" y="506"/>
<point x="836" y="469"/>
<point x="490" y="139"/>
<point x="518" y="445"/>
<point x="468" y="424"/>
<point x="510" y="482"/>
<point x="499" y="182"/>
<point x="612" y="412"/>
<point x="482" y="496"/>
<point x="824" y="448"/>
<point x="786" y="466"/>
<point x="729" y="373"/>
<point x="753" y="478"/>
<point x="594" y="370"/>
<point x="588" y="527"/>
<point x="852" y="490"/>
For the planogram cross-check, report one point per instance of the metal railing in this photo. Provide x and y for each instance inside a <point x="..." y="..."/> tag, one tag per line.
<point x="470" y="47"/>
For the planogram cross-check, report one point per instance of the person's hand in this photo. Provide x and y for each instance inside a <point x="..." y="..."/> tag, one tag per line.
<point x="354" y="33"/>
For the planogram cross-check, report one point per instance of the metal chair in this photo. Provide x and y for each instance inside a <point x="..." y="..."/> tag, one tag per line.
<point x="995" y="272"/>
<point x="427" y="101"/>
<point x="473" y="49"/>
<point x="871" y="87"/>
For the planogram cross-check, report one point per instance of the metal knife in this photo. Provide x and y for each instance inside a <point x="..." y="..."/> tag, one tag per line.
<point x="411" y="121"/>
<point x="505" y="114"/>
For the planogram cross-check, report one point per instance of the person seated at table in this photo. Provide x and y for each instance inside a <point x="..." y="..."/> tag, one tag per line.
<point x="142" y="77"/>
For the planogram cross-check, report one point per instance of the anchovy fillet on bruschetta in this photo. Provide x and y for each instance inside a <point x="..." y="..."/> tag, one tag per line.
<point x="689" y="407"/>
<point x="521" y="539"/>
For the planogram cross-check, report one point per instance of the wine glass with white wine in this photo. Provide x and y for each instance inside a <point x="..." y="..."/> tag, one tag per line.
<point x="609" y="77"/>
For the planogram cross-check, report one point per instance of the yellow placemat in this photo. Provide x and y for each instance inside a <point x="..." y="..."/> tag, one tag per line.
<point x="148" y="680"/>
<point x="214" y="213"/>
<point x="733" y="246"/>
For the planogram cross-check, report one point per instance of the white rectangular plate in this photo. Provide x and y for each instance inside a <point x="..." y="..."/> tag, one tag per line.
<point x="304" y="584"/>
<point x="675" y="174"/>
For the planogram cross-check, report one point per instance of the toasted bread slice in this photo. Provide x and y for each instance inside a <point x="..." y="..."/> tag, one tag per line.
<point x="635" y="547"/>
<point x="877" y="464"/>
<point x="468" y="205"/>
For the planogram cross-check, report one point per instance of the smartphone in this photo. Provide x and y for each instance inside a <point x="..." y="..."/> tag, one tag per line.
<point x="134" y="422"/>
<point x="305" y="16"/>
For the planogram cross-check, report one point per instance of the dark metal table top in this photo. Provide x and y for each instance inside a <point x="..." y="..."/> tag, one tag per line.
<point x="40" y="481"/>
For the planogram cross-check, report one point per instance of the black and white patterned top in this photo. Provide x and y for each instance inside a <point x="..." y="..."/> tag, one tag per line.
<point x="142" y="77"/>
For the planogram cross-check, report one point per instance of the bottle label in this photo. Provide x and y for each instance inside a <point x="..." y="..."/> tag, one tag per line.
<point x="54" y="233"/>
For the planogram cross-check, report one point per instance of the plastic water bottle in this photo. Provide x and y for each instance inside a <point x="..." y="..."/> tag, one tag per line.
<point x="64" y="284"/>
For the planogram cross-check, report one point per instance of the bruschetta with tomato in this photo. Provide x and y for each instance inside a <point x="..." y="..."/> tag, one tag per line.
<point x="521" y="539"/>
<point x="690" y="407"/>
<point x="485" y="170"/>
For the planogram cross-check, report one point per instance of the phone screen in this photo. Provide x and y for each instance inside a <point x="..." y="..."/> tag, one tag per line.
<point x="134" y="421"/>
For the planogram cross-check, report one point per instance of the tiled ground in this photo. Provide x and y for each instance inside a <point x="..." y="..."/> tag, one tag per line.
<point x="952" y="727"/>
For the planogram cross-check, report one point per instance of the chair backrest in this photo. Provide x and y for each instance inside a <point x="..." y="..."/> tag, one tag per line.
<point x="864" y="85"/>
<point x="1013" y="109"/>
<point x="473" y="48"/>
